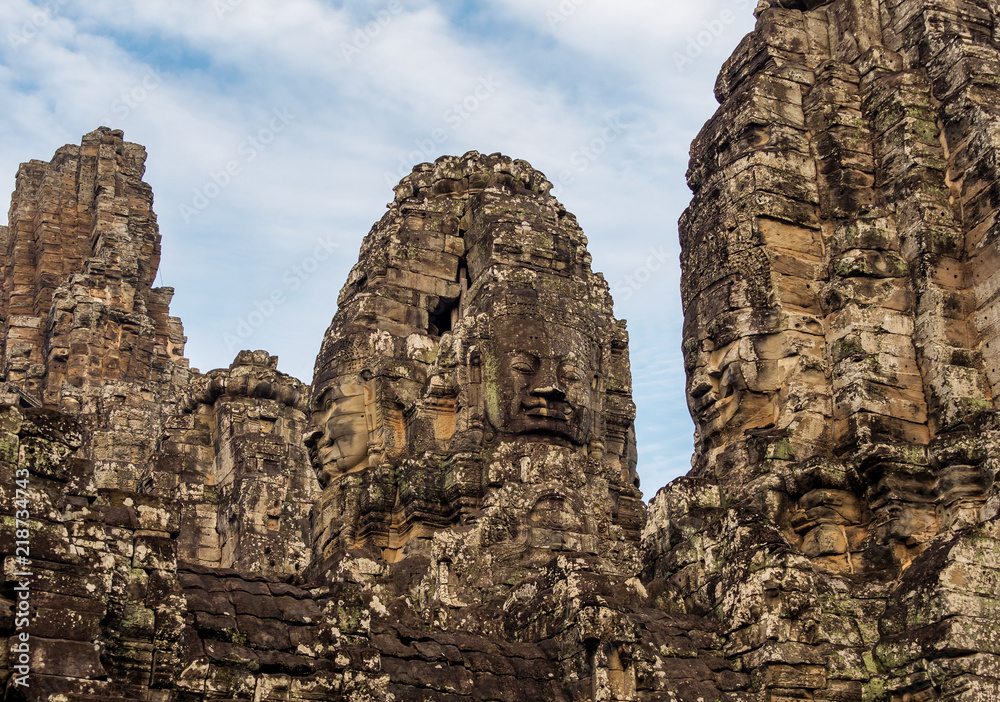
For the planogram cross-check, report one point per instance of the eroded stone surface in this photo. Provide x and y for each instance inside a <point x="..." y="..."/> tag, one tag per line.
<point x="450" y="510"/>
<point x="475" y="377"/>
<point x="835" y="273"/>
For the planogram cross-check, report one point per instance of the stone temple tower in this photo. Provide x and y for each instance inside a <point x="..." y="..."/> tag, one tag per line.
<point x="474" y="373"/>
<point x="449" y="511"/>
<point x="838" y="281"/>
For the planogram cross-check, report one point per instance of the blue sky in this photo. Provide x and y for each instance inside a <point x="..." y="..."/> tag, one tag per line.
<point x="274" y="131"/>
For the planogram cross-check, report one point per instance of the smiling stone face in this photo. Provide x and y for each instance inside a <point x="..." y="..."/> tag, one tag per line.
<point x="755" y="367"/>
<point x="717" y="387"/>
<point x="339" y="441"/>
<point x="734" y="385"/>
<point x="540" y="381"/>
<point x="474" y="363"/>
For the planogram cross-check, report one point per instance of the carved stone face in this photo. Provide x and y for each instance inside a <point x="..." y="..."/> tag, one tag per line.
<point x="716" y="387"/>
<point x="540" y="380"/>
<point x="732" y="388"/>
<point x="339" y="443"/>
<point x="552" y="512"/>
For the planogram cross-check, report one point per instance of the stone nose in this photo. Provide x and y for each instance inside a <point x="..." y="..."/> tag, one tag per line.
<point x="546" y="383"/>
<point x="700" y="385"/>
<point x="549" y="392"/>
<point x="312" y="437"/>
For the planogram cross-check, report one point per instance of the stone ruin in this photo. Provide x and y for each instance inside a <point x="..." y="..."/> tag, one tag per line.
<point x="450" y="511"/>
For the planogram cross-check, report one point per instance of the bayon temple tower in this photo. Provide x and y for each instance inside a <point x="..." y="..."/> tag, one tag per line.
<point x="449" y="509"/>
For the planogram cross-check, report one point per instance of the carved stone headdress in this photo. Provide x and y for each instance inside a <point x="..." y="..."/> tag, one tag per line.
<point x="472" y="318"/>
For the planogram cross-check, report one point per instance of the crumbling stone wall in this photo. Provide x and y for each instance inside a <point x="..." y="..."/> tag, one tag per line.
<point x="99" y="571"/>
<point x="233" y="455"/>
<point x="450" y="510"/>
<point x="84" y="330"/>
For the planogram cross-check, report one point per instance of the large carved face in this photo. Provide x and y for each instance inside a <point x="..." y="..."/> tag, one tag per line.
<point x="717" y="386"/>
<point x="540" y="380"/>
<point x="339" y="442"/>
<point x="732" y="387"/>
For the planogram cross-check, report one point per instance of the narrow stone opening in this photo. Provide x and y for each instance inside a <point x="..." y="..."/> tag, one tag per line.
<point x="442" y="318"/>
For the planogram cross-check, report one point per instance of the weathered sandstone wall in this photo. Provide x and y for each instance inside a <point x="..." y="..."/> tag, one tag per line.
<point x="450" y="510"/>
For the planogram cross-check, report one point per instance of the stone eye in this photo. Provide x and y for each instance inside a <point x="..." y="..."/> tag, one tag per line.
<point x="322" y="403"/>
<point x="522" y="366"/>
<point x="571" y="374"/>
